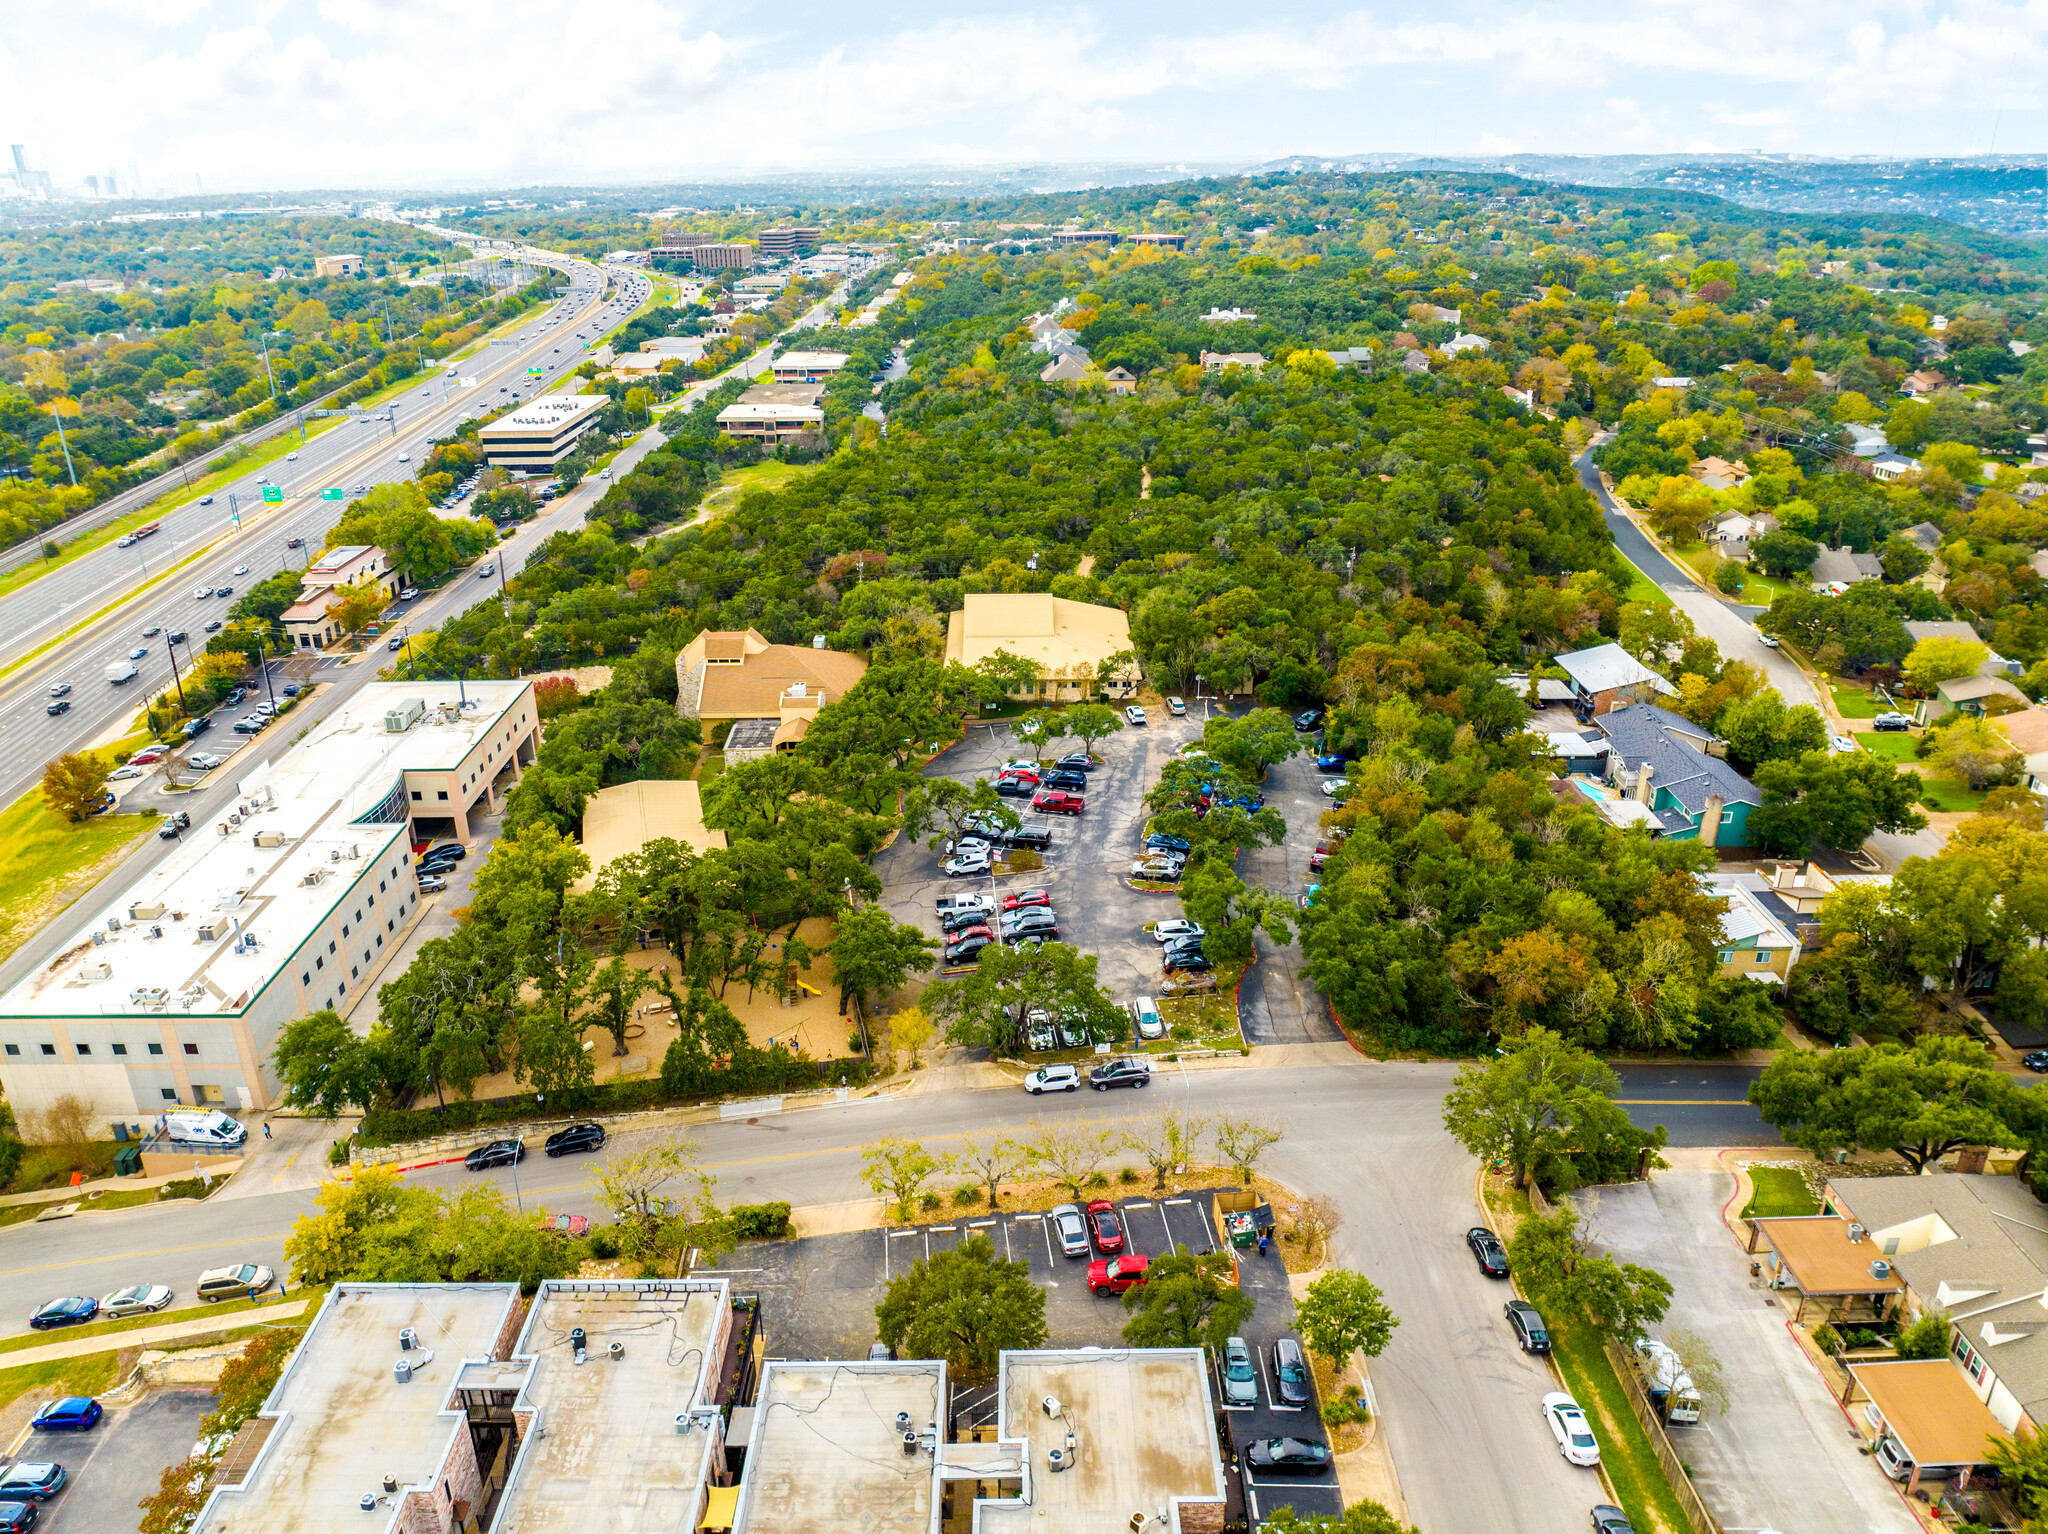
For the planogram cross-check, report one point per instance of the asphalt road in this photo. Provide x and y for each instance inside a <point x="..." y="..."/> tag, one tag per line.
<point x="30" y="736"/>
<point x="1698" y="1102"/>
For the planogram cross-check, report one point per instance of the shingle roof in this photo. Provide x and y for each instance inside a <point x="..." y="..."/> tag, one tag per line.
<point x="1608" y="666"/>
<point x="1690" y="776"/>
<point x="1847" y="566"/>
<point x="1919" y="631"/>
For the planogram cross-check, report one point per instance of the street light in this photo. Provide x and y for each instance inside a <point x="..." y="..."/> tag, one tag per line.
<point x="263" y="340"/>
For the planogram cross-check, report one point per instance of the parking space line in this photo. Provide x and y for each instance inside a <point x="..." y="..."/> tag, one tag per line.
<point x="1272" y="1395"/>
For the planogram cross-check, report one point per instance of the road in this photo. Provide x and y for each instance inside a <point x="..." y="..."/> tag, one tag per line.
<point x="1732" y="629"/>
<point x="348" y="456"/>
<point x="1459" y="1401"/>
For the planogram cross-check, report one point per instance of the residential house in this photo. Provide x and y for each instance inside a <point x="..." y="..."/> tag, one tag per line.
<point x="1921" y="382"/>
<point x="1607" y="677"/>
<point x="1677" y="381"/>
<point x="1217" y="316"/>
<point x="1576" y="752"/>
<point x="1672" y="767"/>
<point x="1888" y="466"/>
<point x="1413" y="362"/>
<point x="1964" y="695"/>
<point x="1756" y="942"/>
<point x="1216" y="362"/>
<point x="1120" y="380"/>
<point x="1071" y="367"/>
<point x="1439" y="314"/>
<point x="1843" y="567"/>
<point x="1719" y="474"/>
<point x="1066" y="640"/>
<point x="1926" y="535"/>
<point x="1733" y="535"/>
<point x="1866" y="441"/>
<point x="1526" y="398"/>
<point x="1465" y="343"/>
<point x="2028" y="732"/>
<point x="727" y="674"/>
<point x="1994" y="665"/>
<point x="306" y="623"/>
<point x="1353" y="357"/>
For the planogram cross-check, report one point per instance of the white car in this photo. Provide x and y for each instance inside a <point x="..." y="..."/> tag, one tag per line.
<point x="1053" y="1078"/>
<point x="1069" y="1230"/>
<point x="1568" y="1426"/>
<point x="1134" y="714"/>
<point x="1767" y="641"/>
<point x="965" y="864"/>
<point x="1177" y="927"/>
<point x="136" y="1299"/>
<point x="124" y="772"/>
<point x="205" y="761"/>
<point x="241" y="569"/>
<point x="1842" y="745"/>
<point x="1332" y="787"/>
<point x="432" y="884"/>
<point x="201" y="593"/>
<point x="291" y="457"/>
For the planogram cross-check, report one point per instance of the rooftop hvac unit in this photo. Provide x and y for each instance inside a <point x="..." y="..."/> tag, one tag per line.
<point x="1051" y="1407"/>
<point x="1059" y="1459"/>
<point x="99" y="971"/>
<point x="146" y="910"/>
<point x="402" y="1371"/>
<point x="270" y="838"/>
<point x="817" y="641"/>
<point x="405" y="715"/>
<point x="98" y="938"/>
<point x="1880" y="1270"/>
<point x="113" y="924"/>
<point x="213" y="929"/>
<point x="1856" y="1233"/>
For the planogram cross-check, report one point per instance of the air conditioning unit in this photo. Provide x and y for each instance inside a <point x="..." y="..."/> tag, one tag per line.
<point x="213" y="929"/>
<point x="1880" y="1270"/>
<point x="270" y="838"/>
<point x="146" y="910"/>
<point x="99" y="971"/>
<point x="1856" y="1233"/>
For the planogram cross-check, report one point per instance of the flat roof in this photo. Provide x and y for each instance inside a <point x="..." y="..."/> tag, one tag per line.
<point x="606" y="1429"/>
<point x="1821" y="1258"/>
<point x="623" y="819"/>
<point x="750" y="410"/>
<point x="1931" y="1409"/>
<point x="1144" y="1430"/>
<point x="344" y="1421"/>
<point x="823" y="360"/>
<point x="326" y="800"/>
<point x="826" y="1455"/>
<point x="551" y="412"/>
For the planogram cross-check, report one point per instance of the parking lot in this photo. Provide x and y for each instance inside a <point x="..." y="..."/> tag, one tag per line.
<point x="119" y="1462"/>
<point x="818" y="1299"/>
<point x="1086" y="868"/>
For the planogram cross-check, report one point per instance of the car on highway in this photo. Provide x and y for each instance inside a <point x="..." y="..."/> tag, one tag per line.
<point x="177" y="636"/>
<point x="1568" y="1426"/>
<point x="1286" y="1456"/>
<point x="1114" y="1275"/>
<point x="72" y="1414"/>
<point x="213" y="626"/>
<point x="1105" y="1227"/>
<point x="173" y="824"/>
<point x="58" y="689"/>
<point x="136" y="1299"/>
<point x="151" y="632"/>
<point x="577" y="1137"/>
<point x="291" y="457"/>
<point x="32" y="1481"/>
<point x="201" y="593"/>
<point x="223" y="591"/>
<point x="138" y="652"/>
<point x="1240" y="1374"/>
<point x="487" y="572"/>
<point x="295" y="543"/>
<point x="206" y="500"/>
<point x="234" y="1282"/>
<point x="241" y="569"/>
<point x="61" y="706"/>
<point x="1487" y="1251"/>
<point x="497" y="1153"/>
<point x="1290" y="1373"/>
<point x="1069" y="1231"/>
<point x="72" y="1310"/>
<point x="1053" y="1078"/>
<point x="1526" y="1322"/>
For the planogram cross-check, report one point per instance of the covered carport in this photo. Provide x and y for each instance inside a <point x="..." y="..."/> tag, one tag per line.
<point x="1927" y="1419"/>
<point x="1827" y="1259"/>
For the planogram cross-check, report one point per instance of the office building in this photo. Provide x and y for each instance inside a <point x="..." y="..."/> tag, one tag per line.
<point x="720" y="258"/>
<point x="540" y="433"/>
<point x="338" y="266"/>
<point x="807" y="367"/>
<point x="783" y="244"/>
<point x="306" y="622"/>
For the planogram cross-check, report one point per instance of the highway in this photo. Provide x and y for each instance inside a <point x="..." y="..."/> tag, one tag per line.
<point x="348" y="456"/>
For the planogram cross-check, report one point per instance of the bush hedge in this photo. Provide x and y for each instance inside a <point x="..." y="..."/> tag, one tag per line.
<point x="760" y="1222"/>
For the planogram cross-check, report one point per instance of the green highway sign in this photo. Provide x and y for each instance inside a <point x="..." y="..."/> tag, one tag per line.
<point x="273" y="495"/>
<point x="335" y="494"/>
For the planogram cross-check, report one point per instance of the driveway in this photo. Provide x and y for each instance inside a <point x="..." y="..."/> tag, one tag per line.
<point x="120" y="1462"/>
<point x="1782" y="1455"/>
<point x="1277" y="1003"/>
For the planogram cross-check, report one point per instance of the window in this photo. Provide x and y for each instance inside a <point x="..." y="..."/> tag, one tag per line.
<point x="330" y="947"/>
<point x="83" y="1050"/>
<point x="120" y="1049"/>
<point x="1763" y="956"/>
<point x="14" y="1049"/>
<point x="170" y="1094"/>
<point x="319" y="962"/>
<point x="416" y="793"/>
<point x="191" y="1049"/>
<point x="156" y="1049"/>
<point x="49" y="1049"/>
<point x="1727" y="956"/>
<point x="344" y="929"/>
<point x="353" y="972"/>
<point x="443" y="794"/>
<point x="305" y="977"/>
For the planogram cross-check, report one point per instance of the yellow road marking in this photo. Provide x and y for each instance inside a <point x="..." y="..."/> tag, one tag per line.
<point x="161" y="1251"/>
<point x="1683" y="1102"/>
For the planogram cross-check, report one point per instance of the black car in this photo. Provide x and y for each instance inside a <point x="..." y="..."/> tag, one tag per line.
<point x="1286" y="1456"/>
<point x="1308" y="719"/>
<point x="577" y="1137"/>
<point x="173" y="824"/>
<point x="1290" y="1373"/>
<point x="1120" y="1073"/>
<point x="1077" y="761"/>
<point x="1892" y="721"/>
<point x="1192" y="960"/>
<point x="17" y="1516"/>
<point x="956" y="921"/>
<point x="69" y="1311"/>
<point x="1528" y="1326"/>
<point x="1028" y="836"/>
<point x="177" y="636"/>
<point x="1486" y="1247"/>
<point x="1014" y="788"/>
<point x="197" y="727"/>
<point x="966" y="952"/>
<point x="1061" y="777"/>
<point x="497" y="1153"/>
<point x="61" y="706"/>
<point x="33" y="1481"/>
<point x="1609" y="1519"/>
<point x="2035" y="1060"/>
<point x="1160" y="841"/>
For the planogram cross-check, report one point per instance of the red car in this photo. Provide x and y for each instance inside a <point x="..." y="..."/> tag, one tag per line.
<point x="1056" y="802"/>
<point x="1116" y="1274"/>
<point x="1019" y="775"/>
<point x="1023" y="898"/>
<point x="980" y="930"/>
<point x="564" y="1224"/>
<point x="1103" y="1224"/>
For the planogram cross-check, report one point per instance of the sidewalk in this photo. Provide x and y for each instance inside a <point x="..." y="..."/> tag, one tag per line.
<point x="111" y="1185"/>
<point x="152" y="1336"/>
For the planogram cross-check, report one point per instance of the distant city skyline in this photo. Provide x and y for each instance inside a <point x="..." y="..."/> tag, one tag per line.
<point x="462" y="93"/>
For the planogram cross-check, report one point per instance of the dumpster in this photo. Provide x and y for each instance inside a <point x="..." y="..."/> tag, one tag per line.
<point x="1242" y="1217"/>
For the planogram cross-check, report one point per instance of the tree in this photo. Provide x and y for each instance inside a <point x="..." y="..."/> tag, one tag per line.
<point x="1072" y="1153"/>
<point x="1359" y="1518"/>
<point x="324" y="1066"/>
<point x="898" y="1169"/>
<point x="1001" y="674"/>
<point x="328" y="1244"/>
<point x="356" y="605"/>
<point x="910" y="1030"/>
<point x="1167" y="1143"/>
<point x="993" y="1158"/>
<point x="1316" y="1219"/>
<point x="1243" y="1142"/>
<point x="1263" y="738"/>
<point x="1343" y="1313"/>
<point x="965" y="1306"/>
<point x="1972" y="751"/>
<point x="2022" y="1461"/>
<point x="872" y="952"/>
<point x="1702" y="1365"/>
<point x="1093" y="722"/>
<point x="1185" y="1303"/>
<point x="1569" y="1283"/>
<point x="1925" y="1338"/>
<point x="1762" y="729"/>
<point x="1834" y="800"/>
<point x="1783" y="554"/>
<point x="1519" y="1108"/>
<point x="1920" y="1102"/>
<point x="630" y="1184"/>
<point x="1942" y="657"/>
<point x="74" y="784"/>
<point x="987" y="1007"/>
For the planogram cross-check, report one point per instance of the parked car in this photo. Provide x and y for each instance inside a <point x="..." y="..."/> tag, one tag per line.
<point x="947" y="903"/>
<point x="1037" y="838"/>
<point x="72" y="1310"/>
<point x="1105" y="1227"/>
<point x="968" y="951"/>
<point x="205" y="761"/>
<point x="193" y="728"/>
<point x="1568" y="1426"/>
<point x="1335" y="788"/>
<point x="432" y="884"/>
<point x="135" y="1300"/>
<point x="1334" y="762"/>
<point x="497" y="1153"/>
<point x="73" y="1414"/>
<point x="1159" y="870"/>
<point x="1308" y="719"/>
<point x="1609" y="1519"/>
<point x="18" y="1516"/>
<point x="233" y="1283"/>
<point x="980" y="929"/>
<point x="1145" y="1019"/>
<point x="1892" y="721"/>
<point x="1528" y="1327"/>
<point x="1053" y="1078"/>
<point x="1240" y="1374"/>
<point x="1186" y="960"/>
<point x="1030" y="919"/>
<point x="1487" y="1250"/>
<point x="1121" y="1073"/>
<point x="1018" y="899"/>
<point x="30" y="1481"/>
<point x="1067" y="778"/>
<point x="454" y="852"/>
<point x="1016" y="786"/>
<point x="1134" y="715"/>
<point x="1286" y="1456"/>
<point x="966" y="863"/>
<point x="2035" y="1060"/>
<point x="1175" y="707"/>
<point x="1077" y="761"/>
<point x="577" y="1137"/>
<point x="1290" y="1373"/>
<point x="1113" y="1275"/>
<point x="960" y="920"/>
<point x="1057" y="802"/>
<point x="1069" y="1231"/>
<point x="1160" y="841"/>
<point x="1174" y="928"/>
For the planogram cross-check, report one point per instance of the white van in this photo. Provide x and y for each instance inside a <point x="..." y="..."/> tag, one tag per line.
<point x="200" y="1126"/>
<point x="1146" y="1019"/>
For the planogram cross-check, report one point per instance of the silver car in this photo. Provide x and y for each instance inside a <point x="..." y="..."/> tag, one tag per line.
<point x="136" y="1299"/>
<point x="1070" y="1230"/>
<point x="1240" y="1374"/>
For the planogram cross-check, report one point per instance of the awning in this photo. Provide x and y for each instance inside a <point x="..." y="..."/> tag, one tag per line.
<point x="1931" y="1409"/>
<point x="719" y="1502"/>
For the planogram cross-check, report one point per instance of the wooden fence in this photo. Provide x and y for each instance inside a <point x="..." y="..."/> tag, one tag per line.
<point x="1688" y="1495"/>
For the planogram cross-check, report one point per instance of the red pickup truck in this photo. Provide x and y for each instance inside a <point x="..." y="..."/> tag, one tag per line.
<point x="1117" y="1274"/>
<point x="1058" y="802"/>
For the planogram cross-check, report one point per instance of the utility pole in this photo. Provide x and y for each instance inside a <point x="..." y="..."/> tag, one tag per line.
<point x="177" y="681"/>
<point x="58" y="417"/>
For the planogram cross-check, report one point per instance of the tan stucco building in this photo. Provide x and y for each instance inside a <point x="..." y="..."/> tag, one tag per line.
<point x="305" y="623"/>
<point x="621" y="820"/>
<point x="1065" y="640"/>
<point x="737" y="675"/>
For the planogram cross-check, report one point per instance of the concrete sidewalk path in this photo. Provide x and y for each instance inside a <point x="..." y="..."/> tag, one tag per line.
<point x="155" y="1336"/>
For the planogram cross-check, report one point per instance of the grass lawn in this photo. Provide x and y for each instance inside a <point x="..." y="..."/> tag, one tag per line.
<point x="158" y="1318"/>
<point x="1892" y="745"/>
<point x="1947" y="794"/>
<point x="764" y="476"/>
<point x="1853" y="701"/>
<point x="1642" y="589"/>
<point x="1780" y="1190"/>
<point x="712" y="766"/>
<point x="41" y="853"/>
<point x="1625" y="1453"/>
<point x="88" y="1376"/>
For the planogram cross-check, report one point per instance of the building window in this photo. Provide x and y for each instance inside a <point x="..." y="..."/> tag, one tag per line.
<point x="330" y="948"/>
<point x="83" y="1050"/>
<point x="191" y="1049"/>
<point x="120" y="1049"/>
<point x="353" y="972"/>
<point x="170" y="1094"/>
<point x="443" y="794"/>
<point x="416" y="793"/>
<point x="14" y="1049"/>
<point x="1763" y="956"/>
<point x="156" y="1049"/>
<point x="305" y="977"/>
<point x="318" y="962"/>
<point x="49" y="1049"/>
<point x="344" y="929"/>
<point x="1727" y="956"/>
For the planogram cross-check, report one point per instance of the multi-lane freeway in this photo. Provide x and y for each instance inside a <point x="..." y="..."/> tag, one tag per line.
<point x="386" y="444"/>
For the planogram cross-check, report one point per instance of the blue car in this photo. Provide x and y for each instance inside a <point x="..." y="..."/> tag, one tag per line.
<point x="68" y="1311"/>
<point x="73" y="1414"/>
<point x="1332" y="763"/>
<point x="33" y="1482"/>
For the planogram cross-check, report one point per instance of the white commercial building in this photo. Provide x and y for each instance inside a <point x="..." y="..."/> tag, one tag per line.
<point x="175" y="992"/>
<point x="541" y="433"/>
<point x="770" y="422"/>
<point x="807" y="367"/>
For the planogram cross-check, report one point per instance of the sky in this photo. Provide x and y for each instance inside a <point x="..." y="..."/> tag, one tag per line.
<point x="481" y="93"/>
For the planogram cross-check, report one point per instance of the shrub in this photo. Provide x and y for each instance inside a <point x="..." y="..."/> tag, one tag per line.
<point x="186" y="1187"/>
<point x="1128" y="1174"/>
<point x="930" y="1200"/>
<point x="1350" y="1407"/>
<point x="967" y="1193"/>
<point x="1098" y="1179"/>
<point x="1827" y="1339"/>
<point x="603" y="1245"/>
<point x="337" y="1153"/>
<point x="760" y="1222"/>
